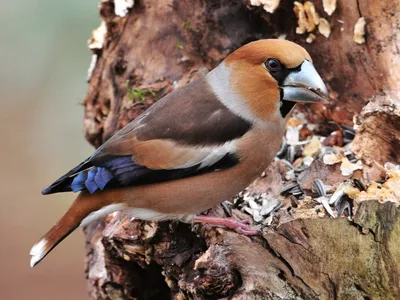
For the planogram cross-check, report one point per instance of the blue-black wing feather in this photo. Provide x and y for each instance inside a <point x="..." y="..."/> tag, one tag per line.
<point x="201" y="120"/>
<point x="119" y="171"/>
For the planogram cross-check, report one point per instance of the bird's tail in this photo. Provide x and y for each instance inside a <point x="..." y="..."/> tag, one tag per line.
<point x="84" y="210"/>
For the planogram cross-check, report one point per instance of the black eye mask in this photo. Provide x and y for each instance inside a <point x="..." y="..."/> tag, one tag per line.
<point x="280" y="74"/>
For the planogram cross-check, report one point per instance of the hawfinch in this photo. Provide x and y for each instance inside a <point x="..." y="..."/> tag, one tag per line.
<point x="194" y="148"/>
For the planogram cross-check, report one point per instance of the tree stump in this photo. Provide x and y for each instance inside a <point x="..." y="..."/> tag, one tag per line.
<point x="145" y="49"/>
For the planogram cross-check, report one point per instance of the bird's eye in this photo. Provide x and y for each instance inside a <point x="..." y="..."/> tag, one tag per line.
<point x="273" y="65"/>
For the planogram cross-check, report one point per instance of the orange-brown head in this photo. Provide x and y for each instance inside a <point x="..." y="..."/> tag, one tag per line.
<point x="266" y="78"/>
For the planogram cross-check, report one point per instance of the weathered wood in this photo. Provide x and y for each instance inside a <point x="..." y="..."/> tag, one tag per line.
<point x="165" y="43"/>
<point x="378" y="130"/>
<point x="157" y="46"/>
<point x="303" y="259"/>
<point x="160" y="45"/>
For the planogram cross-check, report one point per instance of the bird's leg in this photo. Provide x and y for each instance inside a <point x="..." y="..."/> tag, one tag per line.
<point x="241" y="227"/>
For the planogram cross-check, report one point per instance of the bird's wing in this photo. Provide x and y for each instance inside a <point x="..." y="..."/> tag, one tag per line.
<point x="186" y="133"/>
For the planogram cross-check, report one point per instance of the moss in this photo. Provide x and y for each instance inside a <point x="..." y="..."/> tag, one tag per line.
<point x="394" y="243"/>
<point x="138" y="94"/>
<point x="340" y="247"/>
<point x="186" y="25"/>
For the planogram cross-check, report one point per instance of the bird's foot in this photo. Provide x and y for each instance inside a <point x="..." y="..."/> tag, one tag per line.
<point x="239" y="226"/>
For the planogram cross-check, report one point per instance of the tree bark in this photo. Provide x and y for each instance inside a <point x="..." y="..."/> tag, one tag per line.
<point x="161" y="45"/>
<point x="378" y="128"/>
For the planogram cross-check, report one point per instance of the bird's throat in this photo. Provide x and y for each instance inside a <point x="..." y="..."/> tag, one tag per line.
<point x="286" y="107"/>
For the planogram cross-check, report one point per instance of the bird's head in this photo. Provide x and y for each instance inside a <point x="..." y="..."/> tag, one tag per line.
<point x="266" y="78"/>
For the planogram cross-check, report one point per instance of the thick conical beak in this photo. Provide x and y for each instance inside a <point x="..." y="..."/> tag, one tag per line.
<point x="305" y="85"/>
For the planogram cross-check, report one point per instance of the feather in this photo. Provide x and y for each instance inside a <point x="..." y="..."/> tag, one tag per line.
<point x="63" y="184"/>
<point x="201" y="137"/>
<point x="90" y="184"/>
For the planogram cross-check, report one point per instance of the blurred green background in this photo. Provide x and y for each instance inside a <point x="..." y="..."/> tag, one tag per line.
<point x="44" y="61"/>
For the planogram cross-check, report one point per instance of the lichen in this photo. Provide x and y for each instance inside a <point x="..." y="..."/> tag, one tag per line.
<point x="348" y="168"/>
<point x="312" y="17"/>
<point x="91" y="67"/>
<point x="307" y="17"/>
<point x="359" y="31"/>
<point x="268" y="5"/>
<point x="329" y="6"/>
<point x="121" y="7"/>
<point x="300" y="13"/>
<point x="324" y="27"/>
<point x="96" y="42"/>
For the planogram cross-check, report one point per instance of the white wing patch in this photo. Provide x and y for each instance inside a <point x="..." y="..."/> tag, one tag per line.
<point x="207" y="156"/>
<point x="217" y="153"/>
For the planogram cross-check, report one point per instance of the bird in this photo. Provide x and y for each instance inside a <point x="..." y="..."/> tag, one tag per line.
<point x="194" y="148"/>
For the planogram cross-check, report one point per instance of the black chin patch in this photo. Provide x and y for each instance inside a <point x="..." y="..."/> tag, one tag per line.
<point x="286" y="107"/>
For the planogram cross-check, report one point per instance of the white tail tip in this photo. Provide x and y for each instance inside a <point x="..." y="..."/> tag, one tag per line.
<point x="38" y="251"/>
<point x="35" y="259"/>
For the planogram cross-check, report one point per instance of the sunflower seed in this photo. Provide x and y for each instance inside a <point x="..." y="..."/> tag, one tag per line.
<point x="324" y="201"/>
<point x="248" y="210"/>
<point x="298" y="143"/>
<point x="359" y="184"/>
<point x="248" y="197"/>
<point x="292" y="134"/>
<point x="288" y="188"/>
<point x="290" y="175"/>
<point x="287" y="164"/>
<point x="290" y="153"/>
<point x="227" y="207"/>
<point x="282" y="149"/>
<point x="348" y="132"/>
<point x="296" y="191"/>
<point x="256" y="216"/>
<point x="342" y="205"/>
<point x="350" y="156"/>
<point x="307" y="161"/>
<point x="318" y="187"/>
<point x="253" y="205"/>
<point x="338" y="193"/>
<point x="269" y="206"/>
<point x="347" y="141"/>
<point x="238" y="201"/>
<point x="300" y="169"/>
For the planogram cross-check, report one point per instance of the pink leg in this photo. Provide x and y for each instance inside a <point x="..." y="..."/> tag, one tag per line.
<point x="241" y="227"/>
